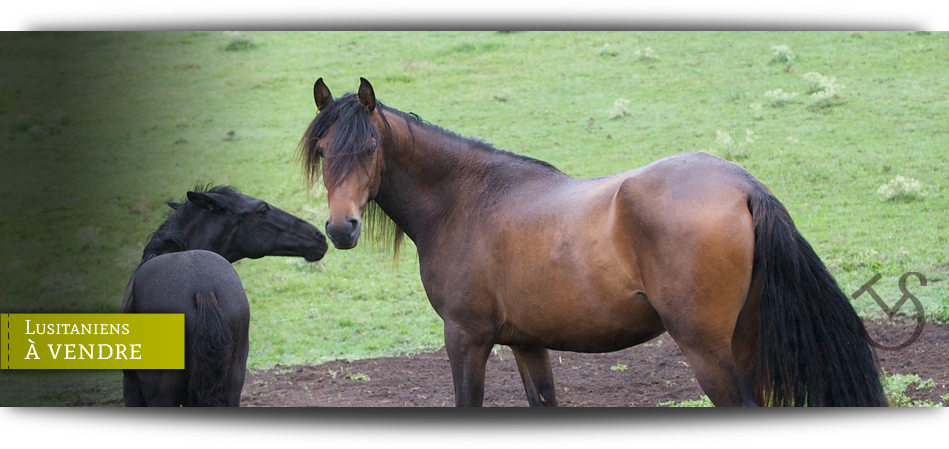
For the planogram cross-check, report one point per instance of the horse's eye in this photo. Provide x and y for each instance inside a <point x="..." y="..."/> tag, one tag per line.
<point x="372" y="149"/>
<point x="319" y="151"/>
<point x="262" y="211"/>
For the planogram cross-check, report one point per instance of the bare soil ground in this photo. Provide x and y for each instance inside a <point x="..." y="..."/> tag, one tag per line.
<point x="642" y="376"/>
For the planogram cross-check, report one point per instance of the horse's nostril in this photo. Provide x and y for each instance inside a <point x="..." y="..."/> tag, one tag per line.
<point x="354" y="222"/>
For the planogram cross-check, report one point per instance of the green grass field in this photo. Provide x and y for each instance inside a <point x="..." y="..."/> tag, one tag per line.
<point x="100" y="129"/>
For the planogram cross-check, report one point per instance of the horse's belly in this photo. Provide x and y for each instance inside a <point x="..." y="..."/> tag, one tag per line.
<point x="578" y="321"/>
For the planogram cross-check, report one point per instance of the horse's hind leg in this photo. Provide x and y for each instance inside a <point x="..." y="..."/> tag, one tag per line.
<point x="132" y="391"/>
<point x="706" y="300"/>
<point x="703" y="321"/>
<point x="717" y="374"/>
<point x="163" y="387"/>
<point x="745" y="338"/>
<point x="534" y="365"/>
<point x="238" y="371"/>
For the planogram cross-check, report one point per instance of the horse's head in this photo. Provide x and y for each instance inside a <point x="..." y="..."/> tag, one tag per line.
<point x="344" y="145"/>
<point x="238" y="226"/>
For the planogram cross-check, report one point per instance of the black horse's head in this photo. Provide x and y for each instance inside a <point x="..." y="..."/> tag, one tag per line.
<point x="236" y="226"/>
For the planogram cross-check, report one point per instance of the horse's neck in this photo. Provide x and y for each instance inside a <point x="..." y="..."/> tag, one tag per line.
<point x="434" y="174"/>
<point x="169" y="238"/>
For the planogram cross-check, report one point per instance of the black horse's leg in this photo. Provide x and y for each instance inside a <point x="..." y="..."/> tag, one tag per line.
<point x="534" y="365"/>
<point x="164" y="387"/>
<point x="238" y="370"/>
<point x="468" y="354"/>
<point x="131" y="390"/>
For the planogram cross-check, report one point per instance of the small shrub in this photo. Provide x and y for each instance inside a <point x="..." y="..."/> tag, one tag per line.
<point x="734" y="150"/>
<point x="901" y="189"/>
<point x="757" y="110"/>
<point x="607" y="51"/>
<point x="819" y="84"/>
<point x="782" y="53"/>
<point x="38" y="126"/>
<point x="619" y="109"/>
<point x="780" y="97"/>
<point x="37" y="132"/>
<point x="239" y="42"/>
<point x="938" y="312"/>
<point x="895" y="389"/>
<point x="58" y="117"/>
<point x="646" y="55"/>
<point x="824" y="91"/>
<point x="618" y="367"/>
<point x="704" y="401"/>
<point x="401" y="78"/>
<point x="358" y="376"/>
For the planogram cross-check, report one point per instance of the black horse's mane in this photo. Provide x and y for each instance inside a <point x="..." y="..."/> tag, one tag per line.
<point x="169" y="238"/>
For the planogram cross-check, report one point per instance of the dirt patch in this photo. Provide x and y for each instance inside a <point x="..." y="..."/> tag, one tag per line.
<point x="642" y="376"/>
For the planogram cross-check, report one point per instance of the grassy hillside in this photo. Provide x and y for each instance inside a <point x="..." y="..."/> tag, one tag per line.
<point x="100" y="129"/>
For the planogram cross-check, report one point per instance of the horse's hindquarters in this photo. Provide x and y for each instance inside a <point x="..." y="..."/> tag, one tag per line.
<point x="207" y="290"/>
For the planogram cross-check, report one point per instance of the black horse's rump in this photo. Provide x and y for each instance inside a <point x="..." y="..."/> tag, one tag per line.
<point x="212" y="347"/>
<point x="207" y="290"/>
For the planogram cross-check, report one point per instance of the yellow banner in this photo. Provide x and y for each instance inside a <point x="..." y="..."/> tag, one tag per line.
<point x="92" y="341"/>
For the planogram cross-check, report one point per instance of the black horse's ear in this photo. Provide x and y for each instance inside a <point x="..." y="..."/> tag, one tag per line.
<point x="321" y="94"/>
<point x="203" y="200"/>
<point x="174" y="206"/>
<point x="367" y="98"/>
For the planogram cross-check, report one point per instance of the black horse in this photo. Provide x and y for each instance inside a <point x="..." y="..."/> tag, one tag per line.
<point x="186" y="268"/>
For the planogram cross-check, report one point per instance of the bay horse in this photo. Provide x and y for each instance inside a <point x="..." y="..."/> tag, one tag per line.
<point x="186" y="268"/>
<point x="513" y="251"/>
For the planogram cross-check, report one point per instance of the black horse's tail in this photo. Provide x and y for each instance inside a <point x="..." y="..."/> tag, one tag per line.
<point x="210" y="354"/>
<point x="813" y="349"/>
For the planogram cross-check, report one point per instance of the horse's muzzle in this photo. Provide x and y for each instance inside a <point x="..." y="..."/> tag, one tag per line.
<point x="344" y="234"/>
<point x="318" y="250"/>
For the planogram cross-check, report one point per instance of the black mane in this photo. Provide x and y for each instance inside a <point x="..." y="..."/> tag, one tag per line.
<point x="355" y="130"/>
<point x="169" y="238"/>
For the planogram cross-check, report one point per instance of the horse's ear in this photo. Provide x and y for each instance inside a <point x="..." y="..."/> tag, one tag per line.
<point x="174" y="206"/>
<point x="367" y="98"/>
<point x="203" y="200"/>
<point x="321" y="94"/>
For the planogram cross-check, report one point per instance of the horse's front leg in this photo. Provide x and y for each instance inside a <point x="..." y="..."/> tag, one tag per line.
<point x="468" y="353"/>
<point x="534" y="365"/>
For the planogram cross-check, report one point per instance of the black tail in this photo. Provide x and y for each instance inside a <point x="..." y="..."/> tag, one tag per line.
<point x="812" y="347"/>
<point x="210" y="354"/>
